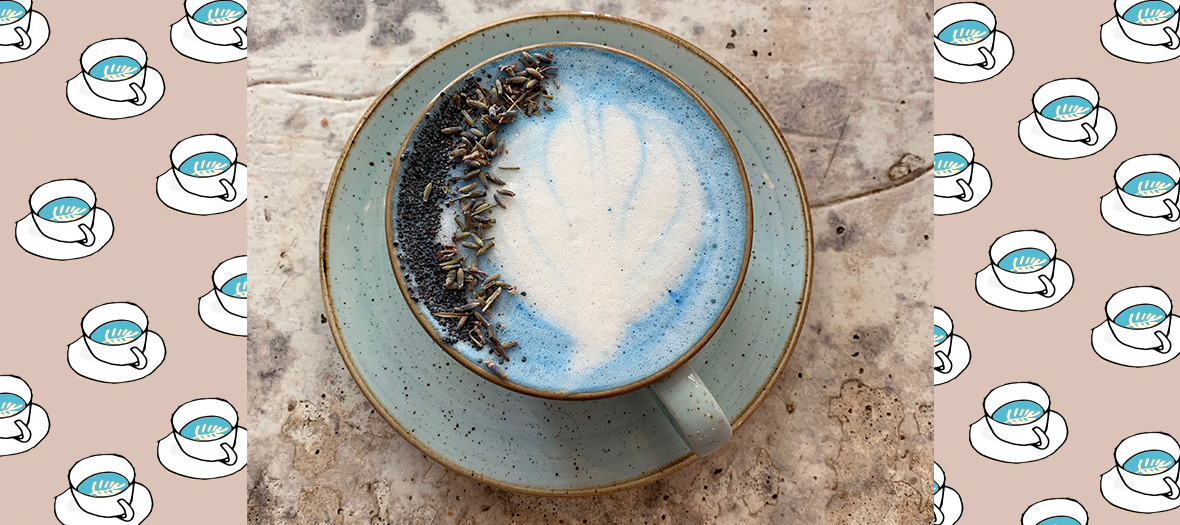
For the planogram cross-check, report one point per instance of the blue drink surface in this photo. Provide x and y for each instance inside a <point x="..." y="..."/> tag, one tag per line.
<point x="1149" y="13"/>
<point x="116" y="332"/>
<point x="964" y="33"/>
<point x="205" y="164"/>
<point x="1059" y="520"/>
<point x="207" y="428"/>
<point x="948" y="163"/>
<point x="10" y="12"/>
<point x="220" y="13"/>
<point x="65" y="209"/>
<point x="1141" y="317"/>
<point x="235" y="287"/>
<point x="1151" y="184"/>
<point x="1149" y="462"/>
<point x="939" y="335"/>
<point x="103" y="485"/>
<point x="1024" y="260"/>
<point x="11" y="404"/>
<point x="115" y="68"/>
<point x="1018" y="413"/>
<point x="1066" y="109"/>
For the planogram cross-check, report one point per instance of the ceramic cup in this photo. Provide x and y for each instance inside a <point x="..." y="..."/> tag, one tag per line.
<point x="1161" y="484"/>
<point x="117" y="506"/>
<point x="975" y="54"/>
<point x="224" y="272"/>
<point x="1032" y="433"/>
<point x="940" y="480"/>
<point x="1153" y="338"/>
<point x="959" y="184"/>
<point x="1038" y="282"/>
<point x="16" y="32"/>
<point x="1080" y="130"/>
<point x="942" y="350"/>
<point x="126" y="90"/>
<point x="79" y="230"/>
<point x="1055" y="508"/>
<point x="220" y="185"/>
<point x="1164" y="205"/>
<point x="232" y="34"/>
<point x="130" y="353"/>
<point x="1158" y="34"/>
<point x="16" y="426"/>
<point x="221" y="449"/>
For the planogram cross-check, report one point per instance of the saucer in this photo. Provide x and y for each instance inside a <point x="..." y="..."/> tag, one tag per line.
<point x="173" y="196"/>
<point x="989" y="446"/>
<point x="186" y="43"/>
<point x="1110" y="349"/>
<point x="1117" y="494"/>
<point x="38" y="425"/>
<point x="86" y="365"/>
<point x="960" y="356"/>
<point x="981" y="184"/>
<point x="84" y="100"/>
<point x="1116" y="43"/>
<point x="69" y="513"/>
<point x="177" y="462"/>
<point x="992" y="292"/>
<point x="1116" y="214"/>
<point x="1035" y="139"/>
<point x="952" y="506"/>
<point x="218" y="318"/>
<point x="38" y="31"/>
<point x="948" y="71"/>
<point x="36" y="243"/>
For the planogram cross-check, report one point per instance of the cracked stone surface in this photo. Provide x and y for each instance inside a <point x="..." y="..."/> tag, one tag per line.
<point x="845" y="437"/>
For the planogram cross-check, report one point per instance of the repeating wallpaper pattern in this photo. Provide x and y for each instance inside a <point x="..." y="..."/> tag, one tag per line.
<point x="68" y="221"/>
<point x="1077" y="420"/>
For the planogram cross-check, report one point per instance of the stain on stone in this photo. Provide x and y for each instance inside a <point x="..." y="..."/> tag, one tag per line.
<point x="820" y="107"/>
<point x="874" y="341"/>
<point x="344" y="16"/>
<point x="391" y="16"/>
<point x="839" y="236"/>
<point x="698" y="29"/>
<point x="320" y="506"/>
<point x="266" y="38"/>
<point x="268" y="357"/>
<point x="610" y="8"/>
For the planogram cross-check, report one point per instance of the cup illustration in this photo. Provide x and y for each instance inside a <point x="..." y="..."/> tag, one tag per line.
<point x="220" y="22"/>
<point x="205" y="165"/>
<point x="229" y="282"/>
<point x="1147" y="464"/>
<point x="943" y="334"/>
<point x="954" y="160"/>
<point x="116" y="333"/>
<point x="104" y="486"/>
<point x="939" y="494"/>
<point x="15" y="18"/>
<point x="115" y="69"/>
<point x="964" y="33"/>
<point x="207" y="429"/>
<point x="63" y="210"/>
<point x="1024" y="261"/>
<point x="16" y="400"/>
<point x="1152" y="22"/>
<point x="1141" y="317"/>
<point x="1058" y="511"/>
<point x="1016" y="413"/>
<point x="1067" y="109"/>
<point x="1149" y="185"/>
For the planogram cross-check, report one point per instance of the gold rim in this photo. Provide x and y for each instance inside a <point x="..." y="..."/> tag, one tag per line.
<point x="679" y="463"/>
<point x="424" y="319"/>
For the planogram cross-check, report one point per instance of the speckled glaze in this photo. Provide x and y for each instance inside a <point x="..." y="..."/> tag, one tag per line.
<point x="526" y="444"/>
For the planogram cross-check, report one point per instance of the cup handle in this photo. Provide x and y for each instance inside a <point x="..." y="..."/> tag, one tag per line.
<point x="27" y="42"/>
<point x="968" y="193"/>
<point x="938" y="516"/>
<point x="25" y="434"/>
<point x="88" y="235"/>
<point x="140" y="96"/>
<point x="1042" y="438"/>
<point x="693" y="410"/>
<point x="1050" y="290"/>
<point x="989" y="60"/>
<point x="1165" y="343"/>
<point x="1173" y="39"/>
<point x="944" y="362"/>
<point x="141" y="361"/>
<point x="128" y="512"/>
<point x="1173" y="211"/>
<point x="231" y="456"/>
<point x="1173" y="490"/>
<point x="241" y="36"/>
<point x="1091" y="134"/>
<point x="230" y="192"/>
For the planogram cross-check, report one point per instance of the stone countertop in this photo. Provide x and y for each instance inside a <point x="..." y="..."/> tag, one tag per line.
<point x="846" y="436"/>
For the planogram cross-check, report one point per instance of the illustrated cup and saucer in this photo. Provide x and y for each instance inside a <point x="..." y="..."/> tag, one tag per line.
<point x="1025" y="273"/>
<point x="948" y="505"/>
<point x="1143" y="32"/>
<point x="952" y="354"/>
<point x="1067" y="121"/>
<point x="103" y="491"/>
<point x="23" y="424"/>
<point x="1018" y="425"/>
<point x="206" y="177"/>
<point x="116" y="345"/>
<point x="212" y="31"/>
<point x="116" y="81"/>
<point x="1137" y="329"/>
<point x="64" y="222"/>
<point x="968" y="48"/>
<point x="1056" y="511"/>
<point x="224" y="307"/>
<point x="960" y="183"/>
<point x="23" y="31"/>
<point x="206" y="441"/>
<point x="1145" y="198"/>
<point x="1144" y="478"/>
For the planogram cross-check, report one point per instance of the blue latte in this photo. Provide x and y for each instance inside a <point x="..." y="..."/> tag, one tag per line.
<point x="1059" y="520"/>
<point x="10" y="12"/>
<point x="104" y="485"/>
<point x="1025" y="260"/>
<point x="115" y="68"/>
<point x="1149" y="13"/>
<point x="1141" y="317"/>
<point x="220" y="13"/>
<point x="11" y="405"/>
<point x="1151" y="184"/>
<point x="964" y="33"/>
<point x="1149" y="462"/>
<point x="208" y="428"/>
<point x="939" y="335"/>
<point x="948" y="163"/>
<point x="1067" y="109"/>
<point x="235" y="287"/>
<point x="116" y="332"/>
<point x="936" y="487"/>
<point x="65" y="209"/>
<point x="1018" y="413"/>
<point x="205" y="164"/>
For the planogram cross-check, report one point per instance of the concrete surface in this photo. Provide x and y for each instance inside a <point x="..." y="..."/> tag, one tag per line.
<point x="847" y="434"/>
